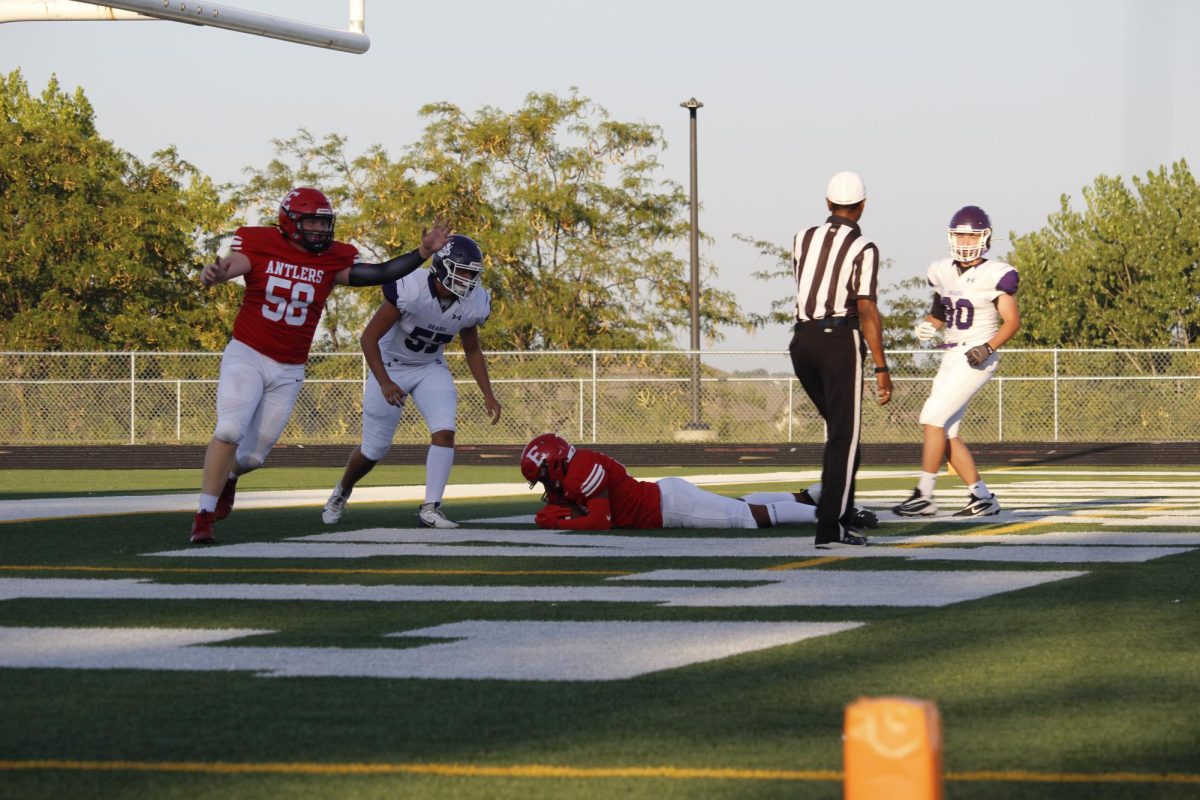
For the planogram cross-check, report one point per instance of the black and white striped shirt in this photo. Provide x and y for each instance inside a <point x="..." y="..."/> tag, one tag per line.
<point x="834" y="265"/>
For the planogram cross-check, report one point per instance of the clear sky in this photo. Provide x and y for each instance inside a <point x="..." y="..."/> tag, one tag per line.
<point x="937" y="104"/>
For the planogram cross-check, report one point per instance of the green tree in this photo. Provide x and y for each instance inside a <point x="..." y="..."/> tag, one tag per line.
<point x="99" y="249"/>
<point x="582" y="239"/>
<point x="1123" y="272"/>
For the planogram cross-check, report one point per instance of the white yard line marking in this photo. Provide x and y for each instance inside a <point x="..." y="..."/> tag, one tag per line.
<point x="470" y="543"/>
<point x="474" y="650"/>
<point x="913" y="588"/>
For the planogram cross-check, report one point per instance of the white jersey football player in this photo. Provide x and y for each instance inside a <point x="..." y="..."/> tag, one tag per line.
<point x="403" y="345"/>
<point x="975" y="303"/>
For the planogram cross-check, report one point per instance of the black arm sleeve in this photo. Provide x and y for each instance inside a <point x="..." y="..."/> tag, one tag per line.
<point x="391" y="270"/>
<point x="936" y="309"/>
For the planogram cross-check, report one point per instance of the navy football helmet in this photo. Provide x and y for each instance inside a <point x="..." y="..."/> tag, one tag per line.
<point x="457" y="266"/>
<point x="306" y="218"/>
<point x="969" y="220"/>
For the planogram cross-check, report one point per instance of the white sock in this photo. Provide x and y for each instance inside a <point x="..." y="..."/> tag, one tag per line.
<point x="344" y="493"/>
<point x="437" y="472"/>
<point x="792" y="513"/>
<point x="763" y="498"/>
<point x="208" y="502"/>
<point x="979" y="489"/>
<point x="925" y="483"/>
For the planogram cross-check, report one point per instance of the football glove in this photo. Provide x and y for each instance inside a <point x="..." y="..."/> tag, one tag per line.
<point x="979" y="354"/>
<point x="550" y="516"/>
<point x="925" y="331"/>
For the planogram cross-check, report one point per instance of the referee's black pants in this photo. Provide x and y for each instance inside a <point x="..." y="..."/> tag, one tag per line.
<point x="828" y="362"/>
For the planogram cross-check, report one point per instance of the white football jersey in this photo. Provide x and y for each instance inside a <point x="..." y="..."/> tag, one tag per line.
<point x="969" y="297"/>
<point x="425" y="328"/>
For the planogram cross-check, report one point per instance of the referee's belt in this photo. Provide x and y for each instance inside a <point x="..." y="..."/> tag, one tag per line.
<point x="827" y="323"/>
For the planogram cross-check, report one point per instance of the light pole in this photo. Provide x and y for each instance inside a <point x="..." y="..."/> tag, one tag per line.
<point x="692" y="105"/>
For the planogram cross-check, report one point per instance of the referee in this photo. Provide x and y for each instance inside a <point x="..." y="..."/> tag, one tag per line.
<point x="837" y="319"/>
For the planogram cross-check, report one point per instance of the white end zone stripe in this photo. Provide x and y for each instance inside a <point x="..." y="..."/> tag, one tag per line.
<point x="814" y="588"/>
<point x="475" y="543"/>
<point x="475" y="650"/>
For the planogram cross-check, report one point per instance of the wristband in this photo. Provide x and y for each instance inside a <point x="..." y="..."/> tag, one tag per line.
<point x="881" y="369"/>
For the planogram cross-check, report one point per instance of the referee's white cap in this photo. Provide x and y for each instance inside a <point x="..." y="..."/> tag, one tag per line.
<point x="846" y="189"/>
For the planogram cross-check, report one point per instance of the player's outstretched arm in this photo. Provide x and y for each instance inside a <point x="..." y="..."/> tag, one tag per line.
<point x="225" y="269"/>
<point x="396" y="268"/>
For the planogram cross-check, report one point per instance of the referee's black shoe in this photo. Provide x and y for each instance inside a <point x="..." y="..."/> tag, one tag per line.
<point x="857" y="517"/>
<point x="860" y="518"/>
<point x="850" y="538"/>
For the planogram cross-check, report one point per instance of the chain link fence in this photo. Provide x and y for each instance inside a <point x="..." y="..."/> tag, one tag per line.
<point x="628" y="397"/>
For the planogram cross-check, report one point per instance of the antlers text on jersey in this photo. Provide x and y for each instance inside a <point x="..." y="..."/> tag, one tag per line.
<point x="296" y="273"/>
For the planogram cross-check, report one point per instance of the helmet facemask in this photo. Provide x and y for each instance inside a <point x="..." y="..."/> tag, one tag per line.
<point x="968" y="251"/>
<point x="972" y="224"/>
<point x="460" y="279"/>
<point x="315" y="231"/>
<point x="457" y="266"/>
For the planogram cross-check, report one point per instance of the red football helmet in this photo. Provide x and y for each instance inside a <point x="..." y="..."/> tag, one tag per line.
<point x="545" y="458"/>
<point x="306" y="218"/>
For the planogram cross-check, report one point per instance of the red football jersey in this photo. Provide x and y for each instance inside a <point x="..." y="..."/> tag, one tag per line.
<point x="634" y="503"/>
<point x="285" y="292"/>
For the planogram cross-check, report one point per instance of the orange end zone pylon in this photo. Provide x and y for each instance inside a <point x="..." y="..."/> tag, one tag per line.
<point x="892" y="748"/>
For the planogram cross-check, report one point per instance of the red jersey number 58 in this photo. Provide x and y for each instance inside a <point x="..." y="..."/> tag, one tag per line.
<point x="291" y="310"/>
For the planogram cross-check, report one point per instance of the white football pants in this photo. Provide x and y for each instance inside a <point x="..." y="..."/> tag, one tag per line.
<point x="687" y="506"/>
<point x="432" y="389"/>
<point x="255" y="397"/>
<point x="953" y="387"/>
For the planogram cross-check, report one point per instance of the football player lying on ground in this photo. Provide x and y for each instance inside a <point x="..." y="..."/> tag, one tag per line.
<point x="589" y="491"/>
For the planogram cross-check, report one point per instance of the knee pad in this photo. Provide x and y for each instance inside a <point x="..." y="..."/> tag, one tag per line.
<point x="249" y="463"/>
<point x="228" y="431"/>
<point x="373" y="451"/>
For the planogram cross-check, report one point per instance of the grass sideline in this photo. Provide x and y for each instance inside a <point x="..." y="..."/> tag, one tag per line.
<point x="20" y="484"/>
<point x="1080" y="688"/>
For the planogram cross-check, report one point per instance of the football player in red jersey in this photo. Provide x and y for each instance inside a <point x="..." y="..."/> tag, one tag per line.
<point x="289" y="271"/>
<point x="589" y="491"/>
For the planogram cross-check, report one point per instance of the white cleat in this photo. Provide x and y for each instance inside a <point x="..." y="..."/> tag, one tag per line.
<point x="335" y="506"/>
<point x="431" y="516"/>
<point x="917" y="505"/>
<point x="980" y="507"/>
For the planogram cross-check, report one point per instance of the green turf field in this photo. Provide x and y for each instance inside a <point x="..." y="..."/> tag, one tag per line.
<point x="1073" y="687"/>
